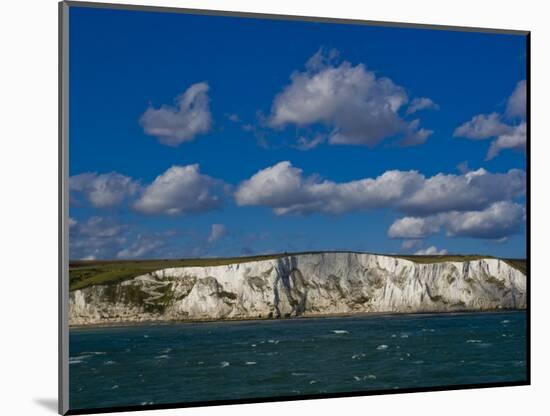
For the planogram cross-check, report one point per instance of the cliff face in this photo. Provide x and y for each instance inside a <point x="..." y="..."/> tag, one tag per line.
<point x="303" y="285"/>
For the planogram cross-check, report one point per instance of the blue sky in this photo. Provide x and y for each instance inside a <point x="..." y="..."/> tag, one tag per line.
<point x="217" y="136"/>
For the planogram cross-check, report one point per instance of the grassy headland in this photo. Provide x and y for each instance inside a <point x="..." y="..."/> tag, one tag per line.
<point x="84" y="273"/>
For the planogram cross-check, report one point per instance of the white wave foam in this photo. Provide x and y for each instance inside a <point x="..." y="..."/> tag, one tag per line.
<point x="250" y="363"/>
<point x="224" y="364"/>
<point x="473" y="341"/>
<point x="162" y="357"/>
<point x="80" y="357"/>
<point x="382" y="347"/>
<point x="367" y="377"/>
<point x="340" y="331"/>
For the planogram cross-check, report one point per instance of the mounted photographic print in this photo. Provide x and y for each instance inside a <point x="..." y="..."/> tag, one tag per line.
<point x="264" y="208"/>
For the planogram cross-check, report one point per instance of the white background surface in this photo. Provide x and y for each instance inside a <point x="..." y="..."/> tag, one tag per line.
<point x="28" y="205"/>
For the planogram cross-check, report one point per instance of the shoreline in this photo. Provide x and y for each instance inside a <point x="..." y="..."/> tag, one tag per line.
<point x="126" y="324"/>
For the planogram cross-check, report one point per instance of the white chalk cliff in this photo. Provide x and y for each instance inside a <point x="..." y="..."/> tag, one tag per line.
<point x="303" y="285"/>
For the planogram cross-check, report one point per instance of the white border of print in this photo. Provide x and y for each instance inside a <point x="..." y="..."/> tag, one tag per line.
<point x="29" y="212"/>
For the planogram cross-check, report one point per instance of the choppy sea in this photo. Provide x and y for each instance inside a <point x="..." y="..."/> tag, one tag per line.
<point x="196" y="362"/>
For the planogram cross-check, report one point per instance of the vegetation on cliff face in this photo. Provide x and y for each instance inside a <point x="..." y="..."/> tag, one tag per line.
<point x="520" y="264"/>
<point x="84" y="273"/>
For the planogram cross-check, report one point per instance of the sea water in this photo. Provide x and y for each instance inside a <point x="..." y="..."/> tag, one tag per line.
<point x="196" y="362"/>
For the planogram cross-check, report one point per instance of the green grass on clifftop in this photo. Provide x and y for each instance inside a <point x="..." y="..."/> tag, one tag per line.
<point x="84" y="273"/>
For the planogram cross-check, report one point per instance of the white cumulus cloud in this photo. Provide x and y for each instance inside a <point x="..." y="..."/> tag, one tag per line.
<point x="515" y="139"/>
<point x="414" y="135"/>
<point x="285" y="189"/>
<point x="144" y="245"/>
<point x="421" y="103"/>
<point x="95" y="238"/>
<point x="410" y="244"/>
<point x="356" y="106"/>
<point x="217" y="231"/>
<point x="72" y="223"/>
<point x="305" y="143"/>
<point x="180" y="190"/>
<point x="505" y="135"/>
<point x="517" y="102"/>
<point x="413" y="227"/>
<point x="431" y="251"/>
<point x="497" y="221"/>
<point x="106" y="238"/>
<point x="482" y="126"/>
<point x="103" y="190"/>
<point x="472" y="190"/>
<point x="189" y="117"/>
